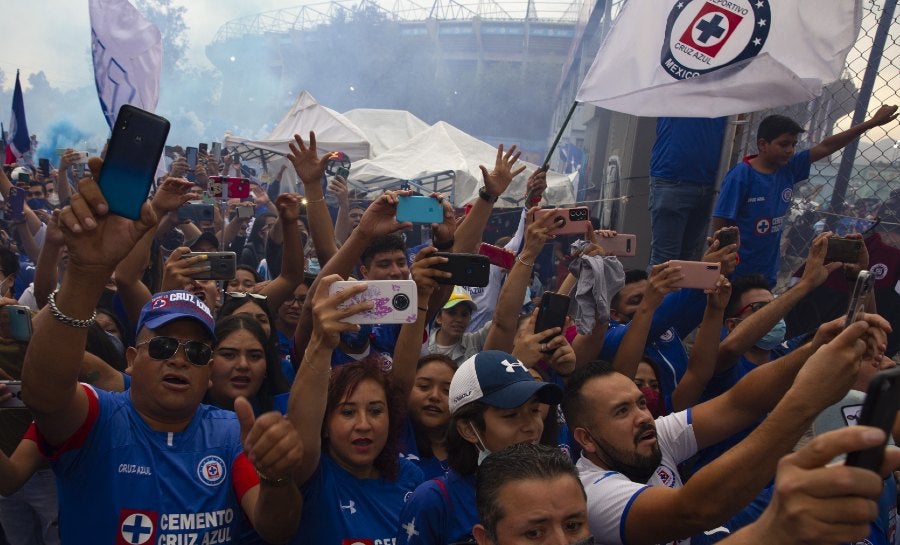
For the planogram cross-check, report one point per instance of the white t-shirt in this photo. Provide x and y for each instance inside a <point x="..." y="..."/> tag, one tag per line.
<point x="610" y="494"/>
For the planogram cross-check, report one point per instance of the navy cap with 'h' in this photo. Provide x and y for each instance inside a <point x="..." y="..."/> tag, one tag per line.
<point x="500" y="380"/>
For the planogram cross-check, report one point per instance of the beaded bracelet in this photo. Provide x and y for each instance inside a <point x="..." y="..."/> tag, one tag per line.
<point x="68" y="320"/>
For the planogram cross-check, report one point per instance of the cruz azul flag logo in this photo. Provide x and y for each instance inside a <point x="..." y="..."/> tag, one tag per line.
<point x="706" y="35"/>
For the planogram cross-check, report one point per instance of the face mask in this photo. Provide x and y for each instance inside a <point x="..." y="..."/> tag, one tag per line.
<point x="38" y="204"/>
<point x="654" y="401"/>
<point x="774" y="337"/>
<point x="312" y="265"/>
<point x="53" y="199"/>
<point x="483" y="452"/>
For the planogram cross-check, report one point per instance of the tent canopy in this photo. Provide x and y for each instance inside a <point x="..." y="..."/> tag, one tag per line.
<point x="442" y="151"/>
<point x="385" y="129"/>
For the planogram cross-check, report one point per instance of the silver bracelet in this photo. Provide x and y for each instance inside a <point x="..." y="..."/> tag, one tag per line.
<point x="68" y="320"/>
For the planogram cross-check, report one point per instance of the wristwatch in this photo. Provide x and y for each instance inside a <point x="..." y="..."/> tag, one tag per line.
<point x="487" y="196"/>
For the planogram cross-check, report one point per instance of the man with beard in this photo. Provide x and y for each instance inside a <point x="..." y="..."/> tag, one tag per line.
<point x="629" y="462"/>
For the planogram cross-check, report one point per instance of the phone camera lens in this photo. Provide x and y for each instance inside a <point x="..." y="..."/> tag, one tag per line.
<point x="400" y="301"/>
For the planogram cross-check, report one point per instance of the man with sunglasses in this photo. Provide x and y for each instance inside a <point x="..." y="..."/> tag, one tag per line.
<point x="149" y="465"/>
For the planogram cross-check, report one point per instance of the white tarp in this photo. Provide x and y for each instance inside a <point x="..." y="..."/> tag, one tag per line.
<point x="443" y="147"/>
<point x="385" y="129"/>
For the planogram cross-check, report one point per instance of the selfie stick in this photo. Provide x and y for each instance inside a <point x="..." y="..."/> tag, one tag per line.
<point x="546" y="163"/>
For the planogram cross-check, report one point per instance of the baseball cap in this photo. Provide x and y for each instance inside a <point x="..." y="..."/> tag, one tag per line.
<point x="14" y="175"/>
<point x="205" y="236"/>
<point x="500" y="380"/>
<point x="459" y="295"/>
<point x="174" y="305"/>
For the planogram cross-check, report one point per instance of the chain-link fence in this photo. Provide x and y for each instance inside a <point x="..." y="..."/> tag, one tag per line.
<point x="854" y="189"/>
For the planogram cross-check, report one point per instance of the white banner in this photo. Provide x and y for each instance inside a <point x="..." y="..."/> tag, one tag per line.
<point x="710" y="58"/>
<point x="127" y="52"/>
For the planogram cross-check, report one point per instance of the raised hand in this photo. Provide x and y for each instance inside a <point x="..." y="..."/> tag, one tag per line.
<point x="97" y="240"/>
<point x="885" y="114"/>
<point x="497" y="180"/>
<point x="327" y="317"/>
<point x="270" y="441"/>
<point x="444" y="231"/>
<point x="424" y="275"/>
<point x="537" y="231"/>
<point x="172" y="194"/>
<point x="338" y="186"/>
<point x="179" y="168"/>
<point x="816" y="270"/>
<point x="380" y="219"/>
<point x="726" y="256"/>
<point x="537" y="184"/>
<point x="307" y="163"/>
<point x="660" y="283"/>
<point x="288" y="206"/>
<point x="179" y="270"/>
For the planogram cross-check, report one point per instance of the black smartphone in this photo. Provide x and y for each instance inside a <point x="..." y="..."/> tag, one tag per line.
<point x="466" y="269"/>
<point x="44" y="165"/>
<point x="138" y="137"/>
<point x="190" y="155"/>
<point x="552" y="312"/>
<point x="880" y="411"/>
<point x="861" y="290"/>
<point x="845" y="250"/>
<point x="202" y="148"/>
<point x="16" y="203"/>
<point x="221" y="265"/>
<point x="196" y="212"/>
<point x="727" y="237"/>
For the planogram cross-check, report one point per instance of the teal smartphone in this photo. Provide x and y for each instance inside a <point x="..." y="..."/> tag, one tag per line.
<point x="137" y="142"/>
<point x="418" y="209"/>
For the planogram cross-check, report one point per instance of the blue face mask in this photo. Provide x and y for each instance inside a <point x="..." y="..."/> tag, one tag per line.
<point x="38" y="204"/>
<point x="483" y="452"/>
<point x="774" y="337"/>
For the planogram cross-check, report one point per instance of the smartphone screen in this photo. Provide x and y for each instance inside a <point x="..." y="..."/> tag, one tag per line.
<point x="134" y="150"/>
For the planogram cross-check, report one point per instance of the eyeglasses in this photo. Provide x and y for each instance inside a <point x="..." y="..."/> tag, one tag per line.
<point x="754" y="306"/>
<point x="244" y="295"/>
<point x="163" y="348"/>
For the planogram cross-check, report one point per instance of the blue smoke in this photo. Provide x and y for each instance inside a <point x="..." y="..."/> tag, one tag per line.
<point x="61" y="134"/>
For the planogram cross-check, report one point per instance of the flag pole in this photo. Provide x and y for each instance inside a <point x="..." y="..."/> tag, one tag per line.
<point x="559" y="134"/>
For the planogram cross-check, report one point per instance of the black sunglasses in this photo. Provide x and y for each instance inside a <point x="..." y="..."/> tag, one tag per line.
<point x="163" y="348"/>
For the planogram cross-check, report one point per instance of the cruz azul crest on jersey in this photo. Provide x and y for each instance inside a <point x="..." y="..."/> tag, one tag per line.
<point x="705" y="35"/>
<point x="211" y="470"/>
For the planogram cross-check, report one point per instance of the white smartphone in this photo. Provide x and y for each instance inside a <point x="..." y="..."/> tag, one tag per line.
<point x="396" y="301"/>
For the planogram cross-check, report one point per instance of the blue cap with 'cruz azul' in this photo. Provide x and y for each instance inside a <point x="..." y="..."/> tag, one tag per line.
<point x="500" y="380"/>
<point x="168" y="306"/>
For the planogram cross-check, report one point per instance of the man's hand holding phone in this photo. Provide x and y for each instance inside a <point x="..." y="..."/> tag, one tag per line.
<point x="380" y="218"/>
<point x="180" y="271"/>
<point x="424" y="274"/>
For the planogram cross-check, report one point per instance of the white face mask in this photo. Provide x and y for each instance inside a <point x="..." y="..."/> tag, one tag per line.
<point x="483" y="451"/>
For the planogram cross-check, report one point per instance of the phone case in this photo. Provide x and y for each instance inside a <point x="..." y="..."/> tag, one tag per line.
<point x="14" y="387"/>
<point x="221" y="265"/>
<point x="16" y="204"/>
<point x="727" y="237"/>
<point x="552" y="312"/>
<point x="500" y="257"/>
<point x="861" y="290"/>
<point x="697" y="274"/>
<point x="17" y="324"/>
<point x="466" y="269"/>
<point x="879" y="410"/>
<point x="396" y="301"/>
<point x="574" y="220"/>
<point x="134" y="150"/>
<point x="845" y="250"/>
<point x="418" y="209"/>
<point x="620" y="245"/>
<point x="238" y="188"/>
<point x="196" y="212"/>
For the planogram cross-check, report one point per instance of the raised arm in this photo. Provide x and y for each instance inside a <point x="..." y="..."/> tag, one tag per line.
<point x="46" y="270"/>
<point x="833" y="143"/>
<point x="310" y="168"/>
<point x="292" y="258"/>
<point x="309" y="393"/>
<point x="96" y="241"/>
<point x="505" y="320"/>
<point x="342" y="226"/>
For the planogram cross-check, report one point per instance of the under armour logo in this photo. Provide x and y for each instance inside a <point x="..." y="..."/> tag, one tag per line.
<point x="410" y="528"/>
<point x="511" y="366"/>
<point x="350" y="506"/>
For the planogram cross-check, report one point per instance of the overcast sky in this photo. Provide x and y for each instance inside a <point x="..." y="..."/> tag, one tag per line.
<point x="55" y="35"/>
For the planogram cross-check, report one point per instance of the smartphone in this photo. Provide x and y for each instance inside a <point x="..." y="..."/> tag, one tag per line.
<point x="861" y="290"/>
<point x="466" y="269"/>
<point x="501" y="257"/>
<point x="16" y="203"/>
<point x="552" y="312"/>
<point x="196" y="212"/>
<point x="845" y="250"/>
<point x="621" y="245"/>
<point x="15" y="323"/>
<point x="202" y="148"/>
<point x="245" y="211"/>
<point x="880" y="411"/>
<point x="190" y="155"/>
<point x="396" y="301"/>
<point x="217" y="188"/>
<point x="217" y="151"/>
<point x="343" y="172"/>
<point x="44" y="165"/>
<point x="24" y="178"/>
<point x="221" y="265"/>
<point x="418" y="209"/>
<point x="698" y="275"/>
<point x="568" y="220"/>
<point x="14" y="387"/>
<point x="134" y="150"/>
<point x="726" y="237"/>
<point x="238" y="188"/>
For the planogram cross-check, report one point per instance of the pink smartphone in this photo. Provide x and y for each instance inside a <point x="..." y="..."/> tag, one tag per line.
<point x="501" y="257"/>
<point x="574" y="220"/>
<point x="620" y="245"/>
<point x="697" y="274"/>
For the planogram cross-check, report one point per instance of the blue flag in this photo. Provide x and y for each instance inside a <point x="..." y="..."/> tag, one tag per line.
<point x="19" y="141"/>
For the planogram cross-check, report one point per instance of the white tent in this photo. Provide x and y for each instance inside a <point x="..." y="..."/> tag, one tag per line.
<point x="443" y="151"/>
<point x="385" y="129"/>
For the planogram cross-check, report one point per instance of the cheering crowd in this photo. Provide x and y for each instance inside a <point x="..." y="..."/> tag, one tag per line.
<point x="163" y="406"/>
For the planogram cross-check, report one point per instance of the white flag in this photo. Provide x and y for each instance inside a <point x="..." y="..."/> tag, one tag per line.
<point x="127" y="57"/>
<point x="710" y="58"/>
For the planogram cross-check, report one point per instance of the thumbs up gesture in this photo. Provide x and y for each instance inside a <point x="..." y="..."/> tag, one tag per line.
<point x="271" y="442"/>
